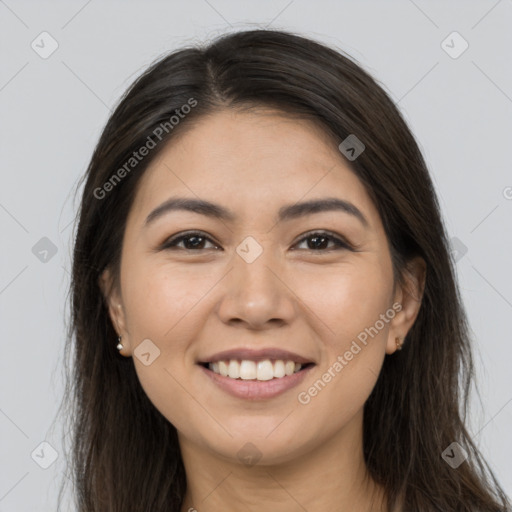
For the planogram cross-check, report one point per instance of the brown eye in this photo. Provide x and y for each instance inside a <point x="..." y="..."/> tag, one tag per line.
<point x="319" y="241"/>
<point x="193" y="241"/>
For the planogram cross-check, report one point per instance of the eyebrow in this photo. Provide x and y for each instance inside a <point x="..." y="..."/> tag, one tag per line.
<point x="288" y="212"/>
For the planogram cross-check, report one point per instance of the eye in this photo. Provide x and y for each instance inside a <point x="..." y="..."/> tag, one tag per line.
<point x="193" y="241"/>
<point x="320" y="241"/>
<point x="196" y="240"/>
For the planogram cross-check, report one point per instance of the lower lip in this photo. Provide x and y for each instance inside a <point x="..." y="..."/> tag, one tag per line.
<point x="256" y="389"/>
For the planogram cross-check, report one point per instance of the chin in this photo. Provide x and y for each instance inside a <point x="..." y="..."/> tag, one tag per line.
<point x="259" y="442"/>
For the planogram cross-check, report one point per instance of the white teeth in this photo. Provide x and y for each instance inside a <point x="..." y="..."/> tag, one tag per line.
<point x="264" y="370"/>
<point x="223" y="368"/>
<point x="251" y="370"/>
<point x="279" y="369"/>
<point x="247" y="370"/>
<point x="233" y="369"/>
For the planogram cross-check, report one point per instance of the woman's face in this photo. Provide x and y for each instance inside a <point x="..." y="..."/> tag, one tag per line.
<point x="259" y="283"/>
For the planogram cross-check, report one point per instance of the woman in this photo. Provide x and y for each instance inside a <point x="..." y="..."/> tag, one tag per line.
<point x="264" y="310"/>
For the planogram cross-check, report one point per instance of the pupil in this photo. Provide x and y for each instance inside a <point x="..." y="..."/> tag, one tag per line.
<point x="194" y="244"/>
<point x="315" y="239"/>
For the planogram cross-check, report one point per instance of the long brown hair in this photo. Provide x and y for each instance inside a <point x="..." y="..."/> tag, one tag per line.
<point x="125" y="455"/>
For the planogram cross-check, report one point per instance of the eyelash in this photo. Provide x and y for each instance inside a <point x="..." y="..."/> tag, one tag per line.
<point x="171" y="243"/>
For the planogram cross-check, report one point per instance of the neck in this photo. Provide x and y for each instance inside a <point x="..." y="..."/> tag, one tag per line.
<point x="332" y="477"/>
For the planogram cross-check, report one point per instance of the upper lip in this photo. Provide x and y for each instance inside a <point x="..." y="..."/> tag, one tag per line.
<point x="255" y="355"/>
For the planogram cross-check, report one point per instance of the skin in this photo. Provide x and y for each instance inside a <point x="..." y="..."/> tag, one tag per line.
<point x="313" y="302"/>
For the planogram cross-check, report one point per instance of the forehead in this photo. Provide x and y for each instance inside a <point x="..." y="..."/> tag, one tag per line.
<point x="249" y="161"/>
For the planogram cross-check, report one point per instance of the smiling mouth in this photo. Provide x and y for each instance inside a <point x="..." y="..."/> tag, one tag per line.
<point x="249" y="370"/>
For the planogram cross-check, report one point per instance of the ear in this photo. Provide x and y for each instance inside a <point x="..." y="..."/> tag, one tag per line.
<point x="115" y="307"/>
<point x="409" y="296"/>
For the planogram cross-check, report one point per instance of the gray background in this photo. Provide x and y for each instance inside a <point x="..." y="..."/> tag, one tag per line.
<point x="53" y="109"/>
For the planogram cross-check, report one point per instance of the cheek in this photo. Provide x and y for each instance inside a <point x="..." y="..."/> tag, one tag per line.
<point x="159" y="299"/>
<point x="163" y="304"/>
<point x="347" y="299"/>
<point x="350" y="304"/>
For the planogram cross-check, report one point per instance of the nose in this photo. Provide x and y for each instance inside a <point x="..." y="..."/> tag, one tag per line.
<point x="256" y="295"/>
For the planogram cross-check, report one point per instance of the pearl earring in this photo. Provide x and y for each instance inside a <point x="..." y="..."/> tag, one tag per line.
<point x="398" y="341"/>
<point x="119" y="344"/>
